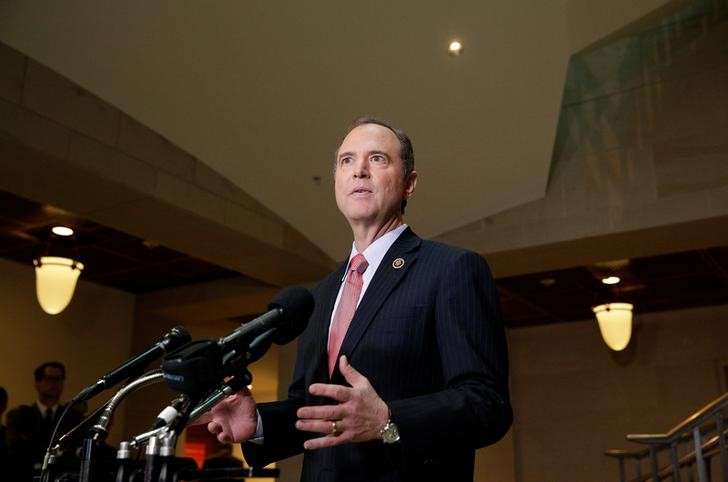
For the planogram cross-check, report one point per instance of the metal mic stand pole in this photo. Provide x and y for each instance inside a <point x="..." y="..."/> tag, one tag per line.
<point x="151" y="466"/>
<point x="167" y="458"/>
<point x="123" y="462"/>
<point x="87" y="472"/>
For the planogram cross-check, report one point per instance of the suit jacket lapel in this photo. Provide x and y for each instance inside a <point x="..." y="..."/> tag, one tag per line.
<point x="388" y="275"/>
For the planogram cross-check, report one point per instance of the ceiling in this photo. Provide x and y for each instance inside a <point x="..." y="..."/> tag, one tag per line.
<point x="110" y="257"/>
<point x="121" y="261"/>
<point x="654" y="283"/>
<point x="262" y="92"/>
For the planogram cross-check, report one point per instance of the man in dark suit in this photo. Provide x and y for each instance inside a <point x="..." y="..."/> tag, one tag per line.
<point x="30" y="426"/>
<point x="402" y="371"/>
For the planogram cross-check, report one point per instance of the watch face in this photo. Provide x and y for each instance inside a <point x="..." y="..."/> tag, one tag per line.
<point x="390" y="434"/>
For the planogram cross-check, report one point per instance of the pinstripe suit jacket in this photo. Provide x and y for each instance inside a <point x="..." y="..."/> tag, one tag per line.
<point x="429" y="338"/>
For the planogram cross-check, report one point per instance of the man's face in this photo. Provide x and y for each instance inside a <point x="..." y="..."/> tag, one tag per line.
<point x="369" y="182"/>
<point x="50" y="386"/>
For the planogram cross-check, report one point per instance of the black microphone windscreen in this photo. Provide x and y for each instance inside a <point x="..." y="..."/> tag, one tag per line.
<point x="195" y="368"/>
<point x="177" y="336"/>
<point x="297" y="305"/>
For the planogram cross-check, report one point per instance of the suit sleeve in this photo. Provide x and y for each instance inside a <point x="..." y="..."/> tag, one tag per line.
<point x="18" y="432"/>
<point x="280" y="437"/>
<point x="473" y="409"/>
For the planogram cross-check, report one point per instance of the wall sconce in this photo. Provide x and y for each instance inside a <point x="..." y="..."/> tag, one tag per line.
<point x="55" y="279"/>
<point x="615" y="324"/>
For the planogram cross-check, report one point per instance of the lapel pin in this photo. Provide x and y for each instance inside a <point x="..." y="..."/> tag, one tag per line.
<point x="397" y="263"/>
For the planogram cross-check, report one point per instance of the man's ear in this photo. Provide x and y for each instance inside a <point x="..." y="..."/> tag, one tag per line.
<point x="410" y="184"/>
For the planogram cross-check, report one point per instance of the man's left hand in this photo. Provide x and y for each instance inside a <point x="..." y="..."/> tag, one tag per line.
<point x="359" y="416"/>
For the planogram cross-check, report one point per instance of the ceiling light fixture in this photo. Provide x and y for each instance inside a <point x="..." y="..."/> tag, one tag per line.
<point x="615" y="324"/>
<point x="611" y="280"/>
<point x="56" y="277"/>
<point x="62" y="231"/>
<point x="455" y="48"/>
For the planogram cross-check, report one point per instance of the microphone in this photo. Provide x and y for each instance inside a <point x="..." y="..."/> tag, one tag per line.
<point x="297" y="305"/>
<point x="256" y="348"/>
<point x="287" y="317"/>
<point x="196" y="369"/>
<point x="134" y="366"/>
<point x="287" y="313"/>
<point x="169" y="413"/>
<point x="233" y="385"/>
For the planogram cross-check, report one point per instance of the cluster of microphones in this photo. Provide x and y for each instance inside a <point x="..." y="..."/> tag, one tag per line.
<point x="201" y="372"/>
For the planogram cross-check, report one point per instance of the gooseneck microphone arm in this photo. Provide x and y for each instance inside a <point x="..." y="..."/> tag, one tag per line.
<point x="75" y="432"/>
<point x="88" y="470"/>
<point x="100" y="430"/>
<point x="134" y="366"/>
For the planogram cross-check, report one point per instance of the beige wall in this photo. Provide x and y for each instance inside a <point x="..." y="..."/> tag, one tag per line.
<point x="496" y="463"/>
<point x="573" y="398"/>
<point x="92" y="336"/>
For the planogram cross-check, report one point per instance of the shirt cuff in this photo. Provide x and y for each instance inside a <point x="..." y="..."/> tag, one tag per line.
<point x="258" y="437"/>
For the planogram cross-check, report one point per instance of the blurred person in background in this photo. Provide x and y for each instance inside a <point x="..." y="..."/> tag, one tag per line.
<point x="29" y="427"/>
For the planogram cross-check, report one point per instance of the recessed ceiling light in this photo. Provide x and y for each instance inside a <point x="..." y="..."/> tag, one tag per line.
<point x="547" y="282"/>
<point x="62" y="231"/>
<point x="455" y="48"/>
<point x="611" y="280"/>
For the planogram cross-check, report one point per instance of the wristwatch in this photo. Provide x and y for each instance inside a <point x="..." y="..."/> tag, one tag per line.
<point x="390" y="433"/>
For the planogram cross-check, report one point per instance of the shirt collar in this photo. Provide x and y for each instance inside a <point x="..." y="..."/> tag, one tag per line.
<point x="44" y="408"/>
<point x="375" y="252"/>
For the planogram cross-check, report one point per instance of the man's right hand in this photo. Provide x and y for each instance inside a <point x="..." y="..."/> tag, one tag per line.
<point x="235" y="419"/>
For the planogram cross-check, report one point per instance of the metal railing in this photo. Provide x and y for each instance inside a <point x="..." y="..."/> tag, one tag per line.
<point x="689" y="448"/>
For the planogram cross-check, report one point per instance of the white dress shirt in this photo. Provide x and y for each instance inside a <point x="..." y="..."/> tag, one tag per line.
<point x="373" y="254"/>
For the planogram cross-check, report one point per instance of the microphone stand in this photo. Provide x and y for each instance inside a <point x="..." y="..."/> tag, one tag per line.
<point x="100" y="430"/>
<point x="87" y="471"/>
<point x="53" y="453"/>
<point x="123" y="463"/>
<point x="168" y="462"/>
<point x="234" y="362"/>
<point x="189" y="372"/>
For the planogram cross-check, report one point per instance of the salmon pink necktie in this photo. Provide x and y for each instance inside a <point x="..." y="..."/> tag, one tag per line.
<point x="347" y="306"/>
